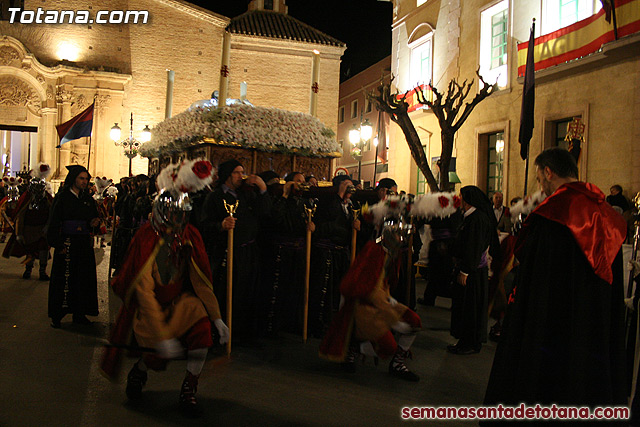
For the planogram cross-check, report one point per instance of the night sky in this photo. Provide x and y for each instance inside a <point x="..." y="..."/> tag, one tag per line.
<point x="364" y="25"/>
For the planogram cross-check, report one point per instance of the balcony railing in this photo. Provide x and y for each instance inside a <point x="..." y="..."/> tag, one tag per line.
<point x="582" y="38"/>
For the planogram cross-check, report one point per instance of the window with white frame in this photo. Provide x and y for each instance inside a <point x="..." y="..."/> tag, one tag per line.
<point x="354" y="108"/>
<point x="421" y="61"/>
<point x="558" y="14"/>
<point x="494" y="33"/>
<point x="341" y="114"/>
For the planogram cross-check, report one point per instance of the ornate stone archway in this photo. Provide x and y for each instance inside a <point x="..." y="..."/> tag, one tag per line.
<point x="35" y="95"/>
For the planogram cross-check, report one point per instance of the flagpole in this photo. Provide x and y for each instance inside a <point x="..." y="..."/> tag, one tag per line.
<point x="526" y="172"/>
<point x="528" y="106"/>
<point x="89" y="156"/>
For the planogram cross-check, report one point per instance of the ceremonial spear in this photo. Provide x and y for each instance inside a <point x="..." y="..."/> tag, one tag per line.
<point x="307" y="272"/>
<point x="355" y="213"/>
<point x="231" y="210"/>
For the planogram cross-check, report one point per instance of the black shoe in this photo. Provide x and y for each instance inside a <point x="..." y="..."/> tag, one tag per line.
<point x="349" y="364"/>
<point x="135" y="381"/>
<point x="398" y="369"/>
<point x="44" y="277"/>
<point x="188" y="402"/>
<point x="495" y="332"/>
<point x="55" y="323"/>
<point x="423" y="301"/>
<point x="80" y="319"/>
<point x="27" y="273"/>
<point x="462" y="351"/>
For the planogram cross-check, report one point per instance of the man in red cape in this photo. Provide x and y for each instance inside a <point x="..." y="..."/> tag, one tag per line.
<point x="30" y="218"/>
<point x="369" y="316"/>
<point x="165" y="284"/>
<point x="563" y="335"/>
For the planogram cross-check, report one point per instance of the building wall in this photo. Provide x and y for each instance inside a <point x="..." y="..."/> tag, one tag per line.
<point x="278" y="74"/>
<point x="356" y="88"/>
<point x="602" y="89"/>
<point x="125" y="68"/>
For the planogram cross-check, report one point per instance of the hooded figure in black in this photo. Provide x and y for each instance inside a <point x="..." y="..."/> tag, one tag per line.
<point x="477" y="238"/>
<point x="253" y="204"/>
<point x="73" y="286"/>
<point x="331" y="253"/>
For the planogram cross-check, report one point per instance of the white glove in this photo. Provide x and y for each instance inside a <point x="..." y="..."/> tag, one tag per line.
<point x="402" y="327"/>
<point x="393" y="301"/>
<point x="223" y="331"/>
<point x="169" y="349"/>
<point x="629" y="303"/>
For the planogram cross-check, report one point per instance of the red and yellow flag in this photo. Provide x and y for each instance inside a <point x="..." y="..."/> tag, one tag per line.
<point x="582" y="38"/>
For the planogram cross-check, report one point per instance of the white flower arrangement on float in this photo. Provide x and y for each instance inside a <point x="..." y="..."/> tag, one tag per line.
<point x="266" y="129"/>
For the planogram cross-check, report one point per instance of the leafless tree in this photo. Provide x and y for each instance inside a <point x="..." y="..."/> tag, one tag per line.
<point x="450" y="109"/>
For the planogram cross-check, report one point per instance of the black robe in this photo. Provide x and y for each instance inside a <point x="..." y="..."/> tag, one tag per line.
<point x="330" y="260"/>
<point x="469" y="303"/>
<point x="73" y="287"/>
<point x="563" y="334"/>
<point x="246" y="255"/>
<point x="283" y="262"/>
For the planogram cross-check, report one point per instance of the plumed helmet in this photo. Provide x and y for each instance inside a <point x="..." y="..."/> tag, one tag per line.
<point x="36" y="188"/>
<point x="394" y="235"/>
<point x="172" y="205"/>
<point x="13" y="193"/>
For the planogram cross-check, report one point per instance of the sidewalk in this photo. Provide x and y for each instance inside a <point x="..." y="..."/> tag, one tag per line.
<point x="50" y="377"/>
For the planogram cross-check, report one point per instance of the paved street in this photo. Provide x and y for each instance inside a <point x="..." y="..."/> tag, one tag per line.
<point x="50" y="377"/>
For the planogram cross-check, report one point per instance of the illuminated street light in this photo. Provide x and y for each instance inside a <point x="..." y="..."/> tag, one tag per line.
<point x="130" y="145"/>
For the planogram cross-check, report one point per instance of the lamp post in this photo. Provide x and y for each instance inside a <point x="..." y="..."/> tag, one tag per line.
<point x="130" y="145"/>
<point x="375" y="162"/>
<point x="358" y="136"/>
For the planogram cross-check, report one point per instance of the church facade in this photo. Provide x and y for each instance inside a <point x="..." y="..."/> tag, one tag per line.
<point x="51" y="72"/>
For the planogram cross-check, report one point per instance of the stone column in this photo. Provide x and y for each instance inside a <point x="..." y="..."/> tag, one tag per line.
<point x="315" y="73"/>
<point x="63" y="99"/>
<point x="169" y="101"/>
<point x="34" y="152"/>
<point x="48" y="138"/>
<point x="224" y="70"/>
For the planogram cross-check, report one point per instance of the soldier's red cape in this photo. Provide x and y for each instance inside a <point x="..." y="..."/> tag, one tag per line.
<point x="142" y="251"/>
<point x="359" y="281"/>
<point x="598" y="229"/>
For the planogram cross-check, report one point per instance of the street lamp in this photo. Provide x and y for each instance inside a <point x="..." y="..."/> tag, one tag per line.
<point x="130" y="145"/>
<point x="375" y="162"/>
<point x="358" y="136"/>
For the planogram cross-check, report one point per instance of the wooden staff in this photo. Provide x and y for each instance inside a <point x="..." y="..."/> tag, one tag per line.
<point x="354" y="235"/>
<point x="409" y="265"/>
<point x="231" y="210"/>
<point x="307" y="273"/>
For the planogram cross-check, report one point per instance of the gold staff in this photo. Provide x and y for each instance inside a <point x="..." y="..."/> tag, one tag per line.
<point x="409" y="263"/>
<point x="231" y="210"/>
<point x="307" y="272"/>
<point x="355" y="212"/>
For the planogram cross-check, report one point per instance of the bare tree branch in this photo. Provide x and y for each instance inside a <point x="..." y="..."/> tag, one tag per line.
<point x="445" y="108"/>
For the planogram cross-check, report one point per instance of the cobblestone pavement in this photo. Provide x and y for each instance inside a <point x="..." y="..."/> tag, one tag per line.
<point x="50" y="377"/>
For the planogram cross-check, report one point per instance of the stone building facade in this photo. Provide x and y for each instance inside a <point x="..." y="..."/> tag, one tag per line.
<point x="50" y="72"/>
<point x="353" y="110"/>
<point x="438" y="40"/>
